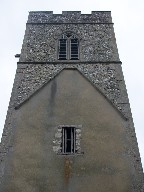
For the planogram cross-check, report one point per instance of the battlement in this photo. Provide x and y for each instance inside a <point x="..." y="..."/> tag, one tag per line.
<point x="69" y="17"/>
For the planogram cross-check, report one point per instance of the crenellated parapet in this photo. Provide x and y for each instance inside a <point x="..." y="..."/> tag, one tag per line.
<point x="69" y="17"/>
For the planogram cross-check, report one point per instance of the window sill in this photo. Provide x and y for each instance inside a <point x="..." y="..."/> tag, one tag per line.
<point x="71" y="154"/>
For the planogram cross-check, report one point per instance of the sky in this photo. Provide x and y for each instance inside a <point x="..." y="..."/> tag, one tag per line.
<point x="127" y="15"/>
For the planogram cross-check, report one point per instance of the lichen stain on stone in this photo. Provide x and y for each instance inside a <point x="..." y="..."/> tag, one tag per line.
<point x="67" y="169"/>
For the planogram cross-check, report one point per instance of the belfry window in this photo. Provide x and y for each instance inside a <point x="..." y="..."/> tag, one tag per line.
<point x="68" y="47"/>
<point x="62" y="49"/>
<point x="74" y="49"/>
<point x="68" y="140"/>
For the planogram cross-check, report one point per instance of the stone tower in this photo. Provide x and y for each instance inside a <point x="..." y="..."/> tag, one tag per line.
<point x="69" y="126"/>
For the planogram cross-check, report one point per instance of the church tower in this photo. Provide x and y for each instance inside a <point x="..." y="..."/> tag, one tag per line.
<point x="69" y="126"/>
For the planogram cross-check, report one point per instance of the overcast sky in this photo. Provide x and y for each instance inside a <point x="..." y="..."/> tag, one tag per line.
<point x="128" y="18"/>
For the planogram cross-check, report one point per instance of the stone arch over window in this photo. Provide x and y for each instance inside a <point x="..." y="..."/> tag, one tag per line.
<point x="68" y="47"/>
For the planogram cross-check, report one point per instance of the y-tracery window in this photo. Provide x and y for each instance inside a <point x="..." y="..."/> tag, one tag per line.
<point x="68" y="47"/>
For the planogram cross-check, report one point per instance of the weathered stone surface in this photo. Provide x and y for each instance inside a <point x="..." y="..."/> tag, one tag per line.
<point x="97" y="42"/>
<point x="69" y="17"/>
<point x="33" y="77"/>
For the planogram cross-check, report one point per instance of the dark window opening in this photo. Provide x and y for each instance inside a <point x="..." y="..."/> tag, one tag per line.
<point x="74" y="49"/>
<point x="62" y="49"/>
<point x="68" y="143"/>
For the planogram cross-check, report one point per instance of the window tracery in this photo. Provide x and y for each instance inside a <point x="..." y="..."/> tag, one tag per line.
<point x="68" y="47"/>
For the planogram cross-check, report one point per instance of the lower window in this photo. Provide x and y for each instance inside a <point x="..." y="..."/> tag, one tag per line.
<point x="68" y="140"/>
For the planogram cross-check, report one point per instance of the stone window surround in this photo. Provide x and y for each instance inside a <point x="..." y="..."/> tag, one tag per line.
<point x="57" y="142"/>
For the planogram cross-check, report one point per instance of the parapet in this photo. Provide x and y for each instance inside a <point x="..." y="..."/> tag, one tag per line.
<point x="69" y="17"/>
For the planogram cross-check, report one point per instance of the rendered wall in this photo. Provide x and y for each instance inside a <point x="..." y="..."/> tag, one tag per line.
<point x="68" y="99"/>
